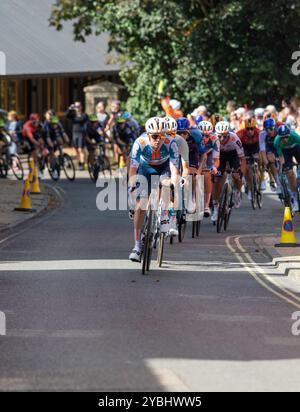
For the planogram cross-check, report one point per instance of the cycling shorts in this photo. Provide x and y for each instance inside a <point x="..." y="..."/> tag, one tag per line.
<point x="251" y="149"/>
<point x="231" y="158"/>
<point x="288" y="157"/>
<point x="147" y="170"/>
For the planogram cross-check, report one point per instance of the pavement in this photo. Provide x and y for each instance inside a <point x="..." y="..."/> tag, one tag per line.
<point x="218" y="316"/>
<point x="11" y="194"/>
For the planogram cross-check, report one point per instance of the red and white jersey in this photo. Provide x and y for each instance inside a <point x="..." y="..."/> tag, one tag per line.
<point x="233" y="143"/>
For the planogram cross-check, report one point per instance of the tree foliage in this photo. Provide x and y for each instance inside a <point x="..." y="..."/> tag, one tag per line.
<point x="207" y="51"/>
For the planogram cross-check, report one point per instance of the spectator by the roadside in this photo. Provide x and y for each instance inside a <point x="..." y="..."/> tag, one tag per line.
<point x="293" y="117"/>
<point x="102" y="115"/>
<point x="79" y="118"/>
<point x="14" y="127"/>
<point x="48" y="114"/>
<point x="231" y="107"/>
<point x="115" y="111"/>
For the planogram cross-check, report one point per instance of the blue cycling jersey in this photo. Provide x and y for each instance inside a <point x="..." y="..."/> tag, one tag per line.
<point x="198" y="138"/>
<point x="142" y="151"/>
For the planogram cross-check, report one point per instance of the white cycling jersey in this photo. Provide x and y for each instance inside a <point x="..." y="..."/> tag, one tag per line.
<point x="183" y="148"/>
<point x="234" y="143"/>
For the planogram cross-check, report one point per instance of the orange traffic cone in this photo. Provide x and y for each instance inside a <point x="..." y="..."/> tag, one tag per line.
<point x="35" y="184"/>
<point x="31" y="170"/>
<point x="288" y="238"/>
<point x="25" y="205"/>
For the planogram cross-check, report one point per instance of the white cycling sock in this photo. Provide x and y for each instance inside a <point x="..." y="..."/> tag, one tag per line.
<point x="137" y="239"/>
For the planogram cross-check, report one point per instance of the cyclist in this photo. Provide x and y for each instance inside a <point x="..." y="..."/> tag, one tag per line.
<point x="93" y="134"/>
<point x="195" y="143"/>
<point x="123" y="137"/>
<point x="183" y="150"/>
<point x="54" y="136"/>
<point x="195" y="120"/>
<point x="5" y="140"/>
<point x="212" y="162"/>
<point x="259" y="117"/>
<point x="232" y="152"/>
<point x="32" y="133"/>
<point x="287" y="144"/>
<point x="268" y="151"/>
<point x="249" y="136"/>
<point x="152" y="153"/>
<point x="196" y="146"/>
<point x="133" y="124"/>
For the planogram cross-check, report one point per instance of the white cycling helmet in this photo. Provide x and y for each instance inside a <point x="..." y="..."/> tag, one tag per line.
<point x="222" y="127"/>
<point x="171" y="125"/>
<point x="205" y="127"/>
<point x="259" y="112"/>
<point x="240" y="111"/>
<point x="155" y="125"/>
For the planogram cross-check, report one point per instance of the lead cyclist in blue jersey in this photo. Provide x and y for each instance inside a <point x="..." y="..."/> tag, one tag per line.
<point x="151" y="155"/>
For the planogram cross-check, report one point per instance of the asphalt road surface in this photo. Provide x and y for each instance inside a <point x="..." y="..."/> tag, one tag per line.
<point x="80" y="316"/>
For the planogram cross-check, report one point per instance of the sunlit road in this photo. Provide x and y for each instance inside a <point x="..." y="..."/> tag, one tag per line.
<point x="80" y="316"/>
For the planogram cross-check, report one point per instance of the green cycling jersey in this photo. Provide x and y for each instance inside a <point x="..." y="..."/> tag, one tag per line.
<point x="293" y="141"/>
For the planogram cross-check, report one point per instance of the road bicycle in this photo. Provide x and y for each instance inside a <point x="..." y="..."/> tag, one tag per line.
<point x="100" y="164"/>
<point x="152" y="237"/>
<point x="10" y="161"/>
<point x="226" y="203"/>
<point x="256" y="195"/>
<point x="196" y="224"/>
<point x="59" y="162"/>
<point x="285" y="196"/>
<point x="181" y="218"/>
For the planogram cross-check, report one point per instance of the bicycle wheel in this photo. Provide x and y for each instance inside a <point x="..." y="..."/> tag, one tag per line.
<point x="181" y="226"/>
<point x="92" y="169"/>
<point x="3" y="168"/>
<point x="147" y="239"/>
<point x="54" y="171"/>
<point x="286" y="194"/>
<point x="160" y="252"/>
<point x="16" y="167"/>
<point x="298" y="184"/>
<point x="228" y="211"/>
<point x="68" y="166"/>
<point x="222" y="208"/>
<point x="259" y="199"/>
<point x="253" y="189"/>
<point x="106" y="167"/>
<point x="198" y="227"/>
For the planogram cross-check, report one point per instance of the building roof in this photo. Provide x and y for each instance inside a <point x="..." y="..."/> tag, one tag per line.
<point x="32" y="47"/>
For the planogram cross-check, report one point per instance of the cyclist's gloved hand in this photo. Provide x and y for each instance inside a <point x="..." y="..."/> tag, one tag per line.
<point x="214" y="170"/>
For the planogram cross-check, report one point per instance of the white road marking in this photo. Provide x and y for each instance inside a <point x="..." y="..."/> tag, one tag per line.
<point x="62" y="265"/>
<point x="280" y="284"/>
<point x="255" y="270"/>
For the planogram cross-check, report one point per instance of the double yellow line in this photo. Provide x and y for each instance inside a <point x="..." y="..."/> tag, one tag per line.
<point x="258" y="273"/>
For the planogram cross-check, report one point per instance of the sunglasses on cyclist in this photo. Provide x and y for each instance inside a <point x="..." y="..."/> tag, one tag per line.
<point x="271" y="129"/>
<point x="155" y="136"/>
<point x="249" y="128"/>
